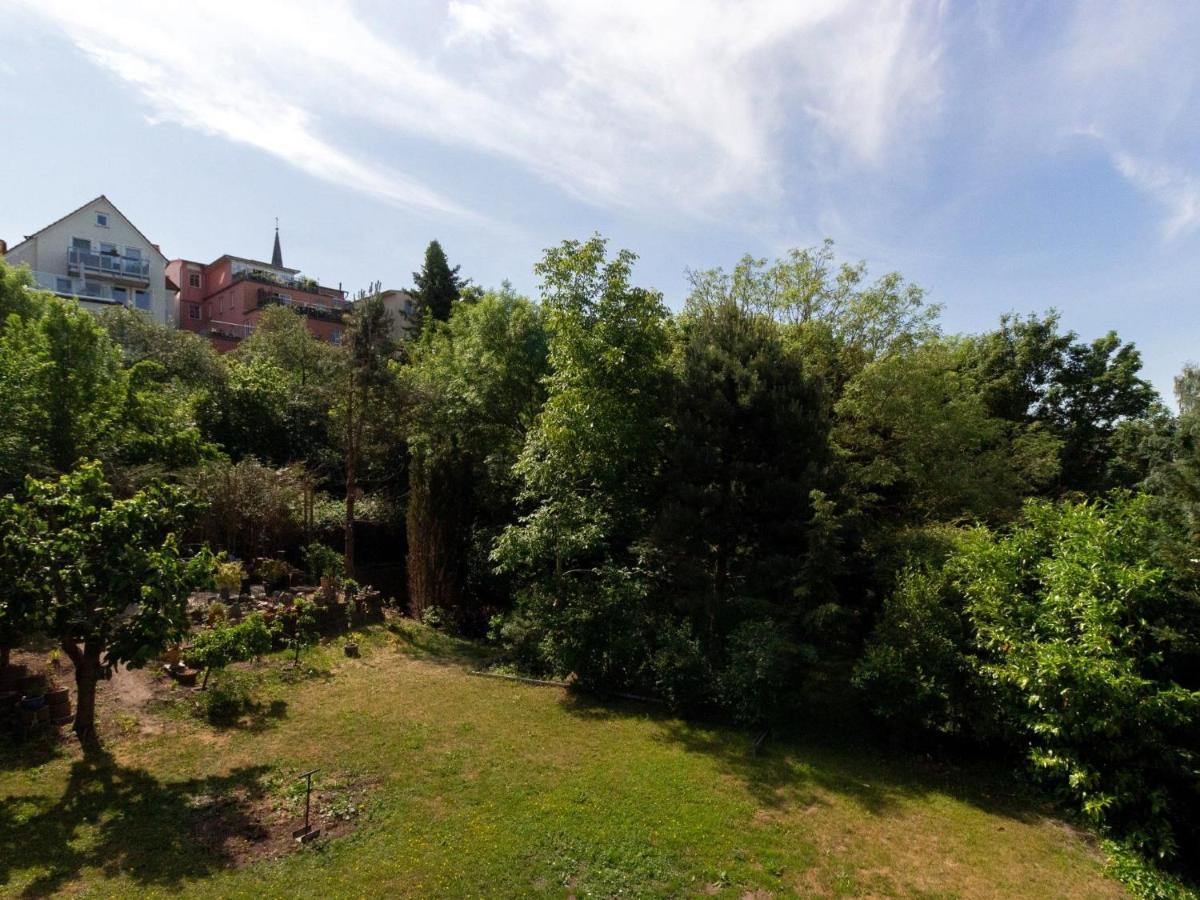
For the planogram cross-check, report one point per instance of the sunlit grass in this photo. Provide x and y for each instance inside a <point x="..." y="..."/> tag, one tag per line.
<point x="479" y="786"/>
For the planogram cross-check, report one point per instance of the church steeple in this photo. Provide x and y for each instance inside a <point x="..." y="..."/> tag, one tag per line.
<point x="277" y="254"/>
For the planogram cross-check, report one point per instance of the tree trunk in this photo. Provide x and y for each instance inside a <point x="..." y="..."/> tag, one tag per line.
<point x="352" y="433"/>
<point x="87" y="673"/>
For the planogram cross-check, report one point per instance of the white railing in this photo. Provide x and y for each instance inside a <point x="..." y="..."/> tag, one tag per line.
<point x="234" y="330"/>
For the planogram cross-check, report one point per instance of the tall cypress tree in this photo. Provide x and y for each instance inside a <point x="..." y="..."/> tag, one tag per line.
<point x="437" y="285"/>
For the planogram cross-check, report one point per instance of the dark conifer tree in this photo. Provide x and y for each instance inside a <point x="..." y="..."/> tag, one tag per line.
<point x="437" y="285"/>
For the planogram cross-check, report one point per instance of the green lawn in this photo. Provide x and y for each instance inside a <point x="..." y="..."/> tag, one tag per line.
<point x="461" y="785"/>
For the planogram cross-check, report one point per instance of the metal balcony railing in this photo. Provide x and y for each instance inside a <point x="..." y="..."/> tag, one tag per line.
<point x="233" y="330"/>
<point x="269" y="297"/>
<point x="303" y="285"/>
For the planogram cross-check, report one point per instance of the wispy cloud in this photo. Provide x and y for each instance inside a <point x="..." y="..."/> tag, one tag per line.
<point x="1126" y="75"/>
<point x="1178" y="191"/>
<point x="687" y="105"/>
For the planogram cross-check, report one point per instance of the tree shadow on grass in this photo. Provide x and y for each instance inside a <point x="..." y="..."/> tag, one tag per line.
<point x="836" y="757"/>
<point x="30" y="753"/>
<point x="124" y="821"/>
<point x="436" y="647"/>
<point x="254" y="717"/>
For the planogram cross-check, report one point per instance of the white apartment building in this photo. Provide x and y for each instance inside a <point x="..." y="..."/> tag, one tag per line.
<point x="98" y="256"/>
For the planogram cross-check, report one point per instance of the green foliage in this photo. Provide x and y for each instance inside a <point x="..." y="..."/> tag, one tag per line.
<point x="474" y="386"/>
<point x="229" y="575"/>
<point x="252" y="510"/>
<point x="1088" y="627"/>
<point x="64" y="387"/>
<point x="916" y="673"/>
<point x="225" y="643"/>
<point x="275" y="573"/>
<point x="1076" y="637"/>
<point x="920" y="444"/>
<point x="297" y="626"/>
<point x="762" y="661"/>
<point x="1030" y="372"/>
<point x="436" y="286"/>
<point x="323" y="562"/>
<point x="592" y="452"/>
<point x="106" y="577"/>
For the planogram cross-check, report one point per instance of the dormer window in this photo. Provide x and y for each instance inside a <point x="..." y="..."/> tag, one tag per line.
<point x="102" y="219"/>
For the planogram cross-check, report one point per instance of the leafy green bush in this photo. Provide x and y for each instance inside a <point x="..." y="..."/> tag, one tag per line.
<point x="682" y="675"/>
<point x="1075" y="637"/>
<point x="600" y="631"/>
<point x="761" y="664"/>
<point x="224" y="643"/>
<point x="915" y="673"/>
<point x="323" y="562"/>
<point x="1088" y="628"/>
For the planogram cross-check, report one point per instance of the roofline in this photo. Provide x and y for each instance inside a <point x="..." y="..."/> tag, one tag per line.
<point x="30" y="237"/>
<point x="256" y="262"/>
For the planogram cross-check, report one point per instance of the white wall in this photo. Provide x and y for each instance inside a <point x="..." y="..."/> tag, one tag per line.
<point x="47" y="252"/>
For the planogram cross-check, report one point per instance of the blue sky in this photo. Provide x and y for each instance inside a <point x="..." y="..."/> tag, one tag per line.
<point x="1004" y="155"/>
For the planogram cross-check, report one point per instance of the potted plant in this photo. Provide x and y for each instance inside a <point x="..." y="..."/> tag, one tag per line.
<point x="326" y="564"/>
<point x="228" y="577"/>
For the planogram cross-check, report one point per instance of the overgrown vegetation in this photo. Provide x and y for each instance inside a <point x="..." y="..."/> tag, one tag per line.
<point x="794" y="493"/>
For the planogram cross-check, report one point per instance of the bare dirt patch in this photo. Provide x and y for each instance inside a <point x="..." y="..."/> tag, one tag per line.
<point x="251" y="824"/>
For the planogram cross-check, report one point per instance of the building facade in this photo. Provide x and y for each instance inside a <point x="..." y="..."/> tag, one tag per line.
<point x="402" y="312"/>
<point x="96" y="255"/>
<point x="224" y="299"/>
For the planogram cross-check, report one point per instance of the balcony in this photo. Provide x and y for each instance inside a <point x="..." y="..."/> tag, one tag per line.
<point x="337" y="299"/>
<point x="233" y="331"/>
<point x="84" y="262"/>
<point x="269" y="297"/>
<point x="81" y="289"/>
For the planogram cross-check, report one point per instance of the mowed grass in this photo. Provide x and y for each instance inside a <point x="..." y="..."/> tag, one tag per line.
<point x="482" y="787"/>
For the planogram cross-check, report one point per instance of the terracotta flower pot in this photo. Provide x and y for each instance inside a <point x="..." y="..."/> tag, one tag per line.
<point x="58" y="696"/>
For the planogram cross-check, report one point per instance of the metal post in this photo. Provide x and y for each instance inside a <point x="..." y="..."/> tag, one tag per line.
<point x="307" y="833"/>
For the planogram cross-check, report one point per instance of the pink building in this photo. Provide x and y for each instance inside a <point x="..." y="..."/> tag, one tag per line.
<point x="224" y="299"/>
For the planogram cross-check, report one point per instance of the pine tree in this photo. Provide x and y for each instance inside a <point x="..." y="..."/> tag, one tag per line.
<point x="437" y="285"/>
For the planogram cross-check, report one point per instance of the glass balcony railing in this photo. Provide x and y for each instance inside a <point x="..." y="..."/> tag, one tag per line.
<point x="81" y="288"/>
<point x="82" y="261"/>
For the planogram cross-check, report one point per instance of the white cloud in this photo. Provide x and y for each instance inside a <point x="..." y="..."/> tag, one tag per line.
<point x="1178" y="191"/>
<point x="688" y="105"/>
<point x="1127" y="76"/>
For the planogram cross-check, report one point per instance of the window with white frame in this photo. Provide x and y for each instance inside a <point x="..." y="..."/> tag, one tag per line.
<point x="120" y="294"/>
<point x="141" y="299"/>
<point x="102" y="219"/>
<point x="194" y="279"/>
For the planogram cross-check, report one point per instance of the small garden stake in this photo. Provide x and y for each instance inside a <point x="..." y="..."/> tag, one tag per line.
<point x="307" y="833"/>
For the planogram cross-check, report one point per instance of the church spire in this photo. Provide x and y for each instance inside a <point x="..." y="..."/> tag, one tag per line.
<point x="277" y="254"/>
